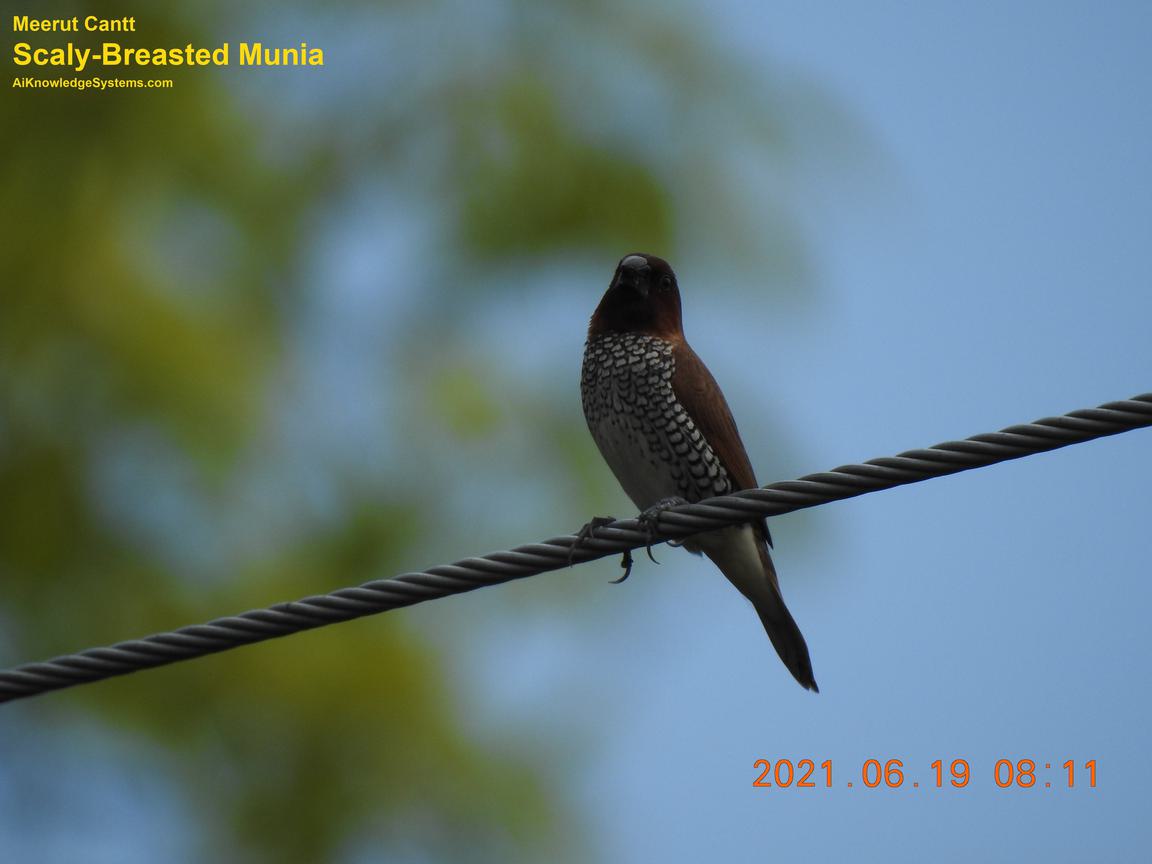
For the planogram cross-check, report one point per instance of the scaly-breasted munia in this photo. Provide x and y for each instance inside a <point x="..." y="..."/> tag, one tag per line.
<point x="666" y="431"/>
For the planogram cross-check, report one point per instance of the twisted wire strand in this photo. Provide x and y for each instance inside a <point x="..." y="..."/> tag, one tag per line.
<point x="381" y="595"/>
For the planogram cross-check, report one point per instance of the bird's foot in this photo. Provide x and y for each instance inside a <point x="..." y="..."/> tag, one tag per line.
<point x="589" y="532"/>
<point x="650" y="520"/>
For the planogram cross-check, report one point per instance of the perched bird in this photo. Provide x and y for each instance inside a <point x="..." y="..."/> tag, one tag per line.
<point x="666" y="431"/>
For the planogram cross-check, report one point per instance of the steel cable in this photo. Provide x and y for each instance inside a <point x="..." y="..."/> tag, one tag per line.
<point x="381" y="595"/>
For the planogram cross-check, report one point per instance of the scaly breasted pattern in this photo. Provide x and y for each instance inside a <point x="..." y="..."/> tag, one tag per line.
<point x="665" y="429"/>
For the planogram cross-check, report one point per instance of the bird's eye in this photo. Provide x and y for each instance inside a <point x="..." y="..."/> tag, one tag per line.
<point x="665" y="283"/>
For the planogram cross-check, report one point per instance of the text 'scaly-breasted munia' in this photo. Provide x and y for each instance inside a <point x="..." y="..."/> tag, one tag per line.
<point x="666" y="431"/>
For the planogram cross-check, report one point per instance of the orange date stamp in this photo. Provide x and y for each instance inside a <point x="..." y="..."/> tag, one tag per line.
<point x="894" y="774"/>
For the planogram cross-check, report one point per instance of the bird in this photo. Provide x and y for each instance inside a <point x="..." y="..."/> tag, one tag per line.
<point x="665" y="429"/>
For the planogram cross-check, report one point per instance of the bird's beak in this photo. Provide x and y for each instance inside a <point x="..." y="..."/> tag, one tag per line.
<point x="634" y="278"/>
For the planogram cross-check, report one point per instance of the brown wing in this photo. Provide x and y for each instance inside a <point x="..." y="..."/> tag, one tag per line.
<point x="702" y="398"/>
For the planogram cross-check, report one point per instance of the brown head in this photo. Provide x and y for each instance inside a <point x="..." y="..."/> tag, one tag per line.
<point x="643" y="298"/>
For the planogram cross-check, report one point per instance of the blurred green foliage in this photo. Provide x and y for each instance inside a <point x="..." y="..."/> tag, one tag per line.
<point x="157" y="276"/>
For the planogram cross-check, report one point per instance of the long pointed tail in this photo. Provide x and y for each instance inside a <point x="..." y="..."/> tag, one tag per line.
<point x="743" y="557"/>
<point x="783" y="631"/>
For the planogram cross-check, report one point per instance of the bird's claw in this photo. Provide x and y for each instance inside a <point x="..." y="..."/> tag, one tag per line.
<point x="649" y="521"/>
<point x="588" y="532"/>
<point x="626" y="563"/>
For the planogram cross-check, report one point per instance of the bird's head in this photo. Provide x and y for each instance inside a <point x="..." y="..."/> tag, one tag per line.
<point x="642" y="298"/>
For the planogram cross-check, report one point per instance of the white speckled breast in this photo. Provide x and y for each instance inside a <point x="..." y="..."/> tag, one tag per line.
<point x="647" y="438"/>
